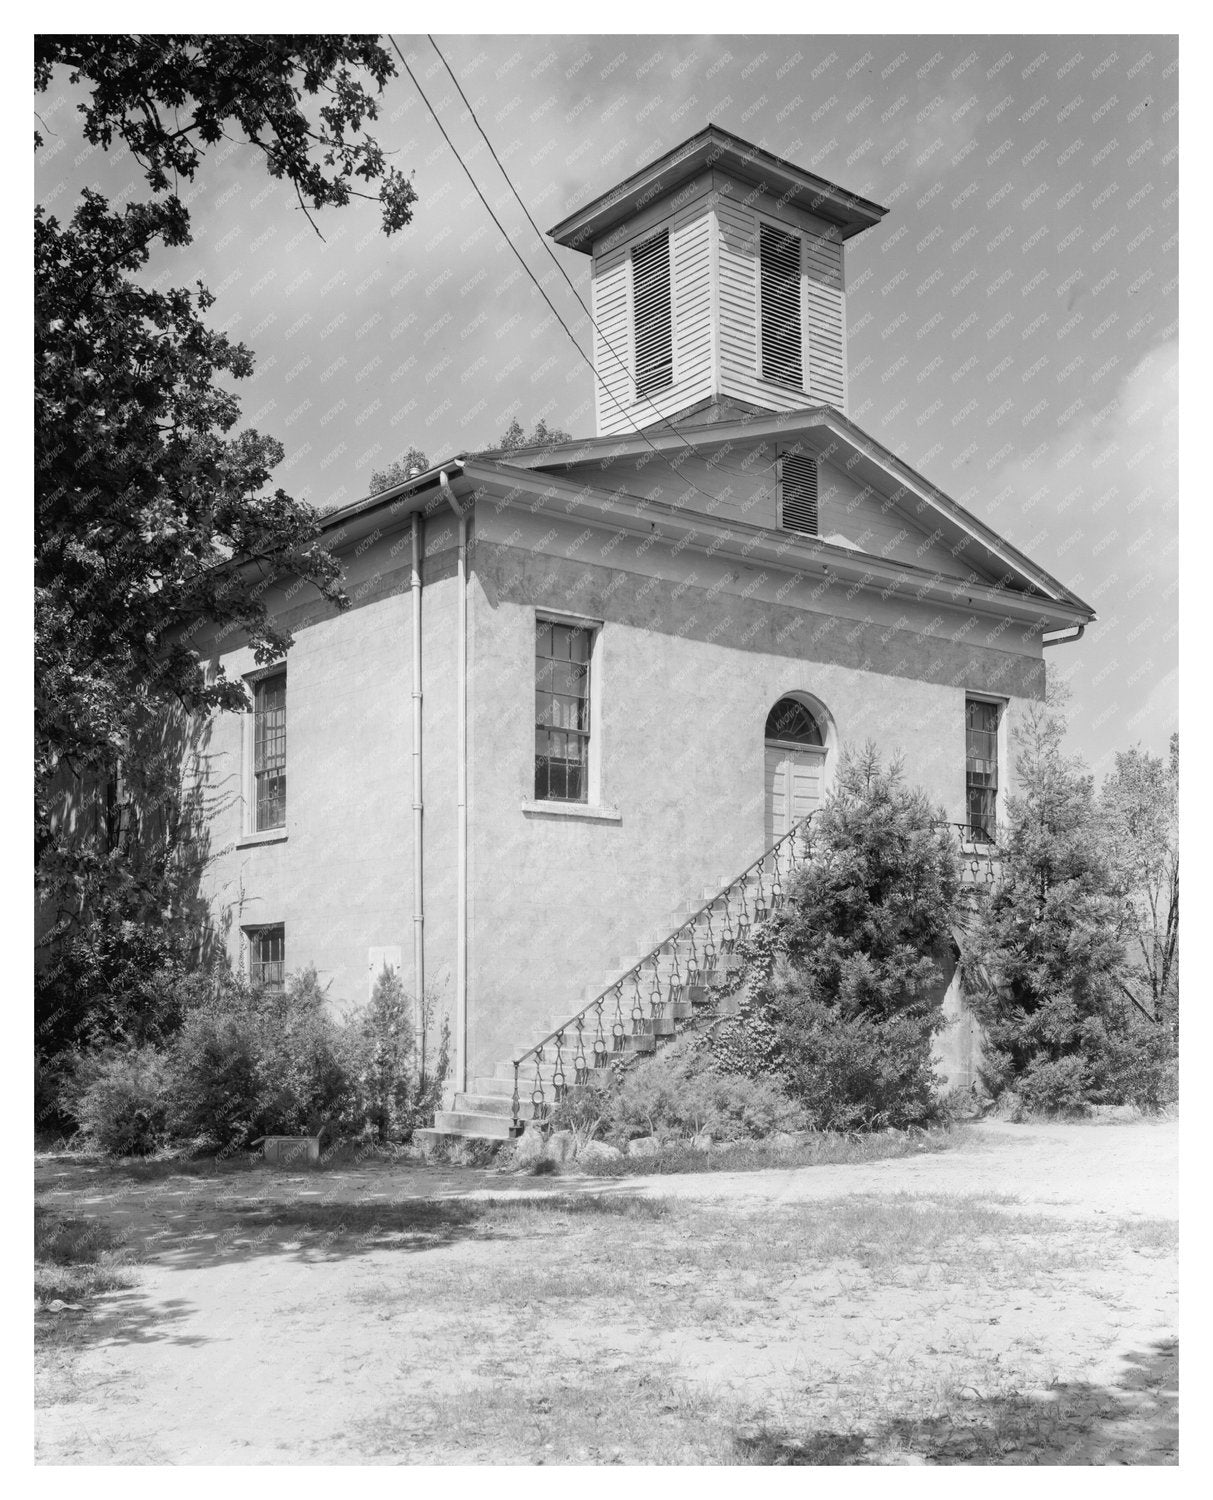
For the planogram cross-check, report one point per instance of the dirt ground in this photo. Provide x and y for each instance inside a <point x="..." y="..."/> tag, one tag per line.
<point x="400" y="1315"/>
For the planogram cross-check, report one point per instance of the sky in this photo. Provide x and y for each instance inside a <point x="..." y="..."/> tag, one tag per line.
<point x="1012" y="322"/>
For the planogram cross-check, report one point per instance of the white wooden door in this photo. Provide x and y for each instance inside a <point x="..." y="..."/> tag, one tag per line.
<point x="794" y="776"/>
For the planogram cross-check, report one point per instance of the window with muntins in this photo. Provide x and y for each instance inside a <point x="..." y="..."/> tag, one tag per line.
<point x="798" y="493"/>
<point x="791" y="722"/>
<point x="562" y="711"/>
<point x="269" y="752"/>
<point x="652" y="321"/>
<point x="779" y="300"/>
<point x="267" y="957"/>
<point x="981" y="768"/>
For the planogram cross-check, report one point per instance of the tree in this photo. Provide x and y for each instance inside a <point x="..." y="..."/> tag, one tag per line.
<point x="1139" y="804"/>
<point x="413" y="462"/>
<point x="1045" y="958"/>
<point x="152" y="520"/>
<point x="856" y="962"/>
<point x="540" y="436"/>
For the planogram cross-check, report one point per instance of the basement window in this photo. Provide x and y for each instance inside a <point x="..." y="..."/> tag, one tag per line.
<point x="781" y="360"/>
<point x="652" y="320"/>
<point x="267" y="957"/>
<point x="981" y="769"/>
<point x="562" y="711"/>
<point x="798" y="493"/>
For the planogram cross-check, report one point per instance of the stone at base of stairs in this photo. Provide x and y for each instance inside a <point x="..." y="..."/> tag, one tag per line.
<point x="437" y="1137"/>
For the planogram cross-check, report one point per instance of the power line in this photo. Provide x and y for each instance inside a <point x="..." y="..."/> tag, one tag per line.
<point x="543" y="240"/>
<point x="538" y="286"/>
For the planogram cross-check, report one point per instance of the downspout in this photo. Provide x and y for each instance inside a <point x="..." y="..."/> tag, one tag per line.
<point x="1063" y="638"/>
<point x="461" y="908"/>
<point x="418" y="865"/>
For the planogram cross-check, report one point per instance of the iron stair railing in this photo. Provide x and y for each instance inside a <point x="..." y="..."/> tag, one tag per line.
<point x="628" y="1018"/>
<point x="637" y="1005"/>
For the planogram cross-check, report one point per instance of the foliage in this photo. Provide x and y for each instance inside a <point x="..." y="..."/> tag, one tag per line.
<point x="540" y="436"/>
<point x="119" y="1099"/>
<point x="846" y="981"/>
<point x="152" y="522"/>
<point x="1139" y="807"/>
<point x="677" y="1093"/>
<point x="1046" y="963"/>
<point x="411" y="462"/>
<point x="75" y="1258"/>
<point x="513" y="438"/>
<point x="852" y="1070"/>
<point x="249" y="1062"/>
<point x="398" y="1091"/>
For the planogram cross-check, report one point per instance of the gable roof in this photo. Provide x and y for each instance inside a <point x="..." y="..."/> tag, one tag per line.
<point x="831" y="436"/>
<point x="711" y="146"/>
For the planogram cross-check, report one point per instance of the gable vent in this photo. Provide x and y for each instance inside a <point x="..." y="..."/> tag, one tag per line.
<point x="779" y="262"/>
<point x="798" y="493"/>
<point x="651" y="314"/>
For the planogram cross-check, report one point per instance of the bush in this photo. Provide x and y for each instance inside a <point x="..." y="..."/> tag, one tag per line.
<point x="678" y="1093"/>
<point x="1054" y="1086"/>
<point x="1046" y="963"/>
<point x="846" y="982"/>
<point x="250" y="1062"/>
<point x="118" y="1098"/>
<point x="394" y="1096"/>
<point x="855" y="1072"/>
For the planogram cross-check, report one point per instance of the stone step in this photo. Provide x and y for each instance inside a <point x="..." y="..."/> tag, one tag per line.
<point x="485" y="1104"/>
<point x="469" y="1123"/>
<point x="498" y="1088"/>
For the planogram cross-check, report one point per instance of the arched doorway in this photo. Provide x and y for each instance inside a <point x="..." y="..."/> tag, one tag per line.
<point x="795" y="763"/>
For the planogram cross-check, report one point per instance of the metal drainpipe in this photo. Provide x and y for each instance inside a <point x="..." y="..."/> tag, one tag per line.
<point x="461" y="919"/>
<point x="418" y="866"/>
<point x="1062" y="638"/>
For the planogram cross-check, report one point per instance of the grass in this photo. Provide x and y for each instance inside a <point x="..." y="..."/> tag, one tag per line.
<point x="542" y="1324"/>
<point x="76" y="1259"/>
<point x="827" y="1148"/>
<point x="686" y="1300"/>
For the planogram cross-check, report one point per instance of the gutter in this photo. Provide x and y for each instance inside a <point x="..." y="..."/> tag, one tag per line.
<point x="418" y="806"/>
<point x="461" y="920"/>
<point x="1063" y="637"/>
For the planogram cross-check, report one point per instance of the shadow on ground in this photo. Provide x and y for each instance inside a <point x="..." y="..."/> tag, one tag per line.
<point x="1134" y="1421"/>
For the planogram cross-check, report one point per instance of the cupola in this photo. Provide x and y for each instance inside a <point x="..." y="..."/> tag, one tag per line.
<point x="718" y="285"/>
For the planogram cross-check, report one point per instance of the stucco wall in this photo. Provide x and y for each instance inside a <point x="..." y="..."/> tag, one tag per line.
<point x="690" y="664"/>
<point x="342" y="880"/>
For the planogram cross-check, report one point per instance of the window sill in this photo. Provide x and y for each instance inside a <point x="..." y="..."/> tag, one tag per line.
<point x="574" y="810"/>
<point x="267" y="836"/>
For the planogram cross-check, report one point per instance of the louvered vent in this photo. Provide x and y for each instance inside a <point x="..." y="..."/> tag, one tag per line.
<point x="779" y="257"/>
<point x="651" y="311"/>
<point x="798" y="493"/>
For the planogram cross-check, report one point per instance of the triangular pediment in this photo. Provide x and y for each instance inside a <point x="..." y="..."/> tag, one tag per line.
<point x="870" y="504"/>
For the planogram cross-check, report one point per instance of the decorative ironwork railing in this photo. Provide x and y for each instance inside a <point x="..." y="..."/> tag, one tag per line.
<point x="676" y="976"/>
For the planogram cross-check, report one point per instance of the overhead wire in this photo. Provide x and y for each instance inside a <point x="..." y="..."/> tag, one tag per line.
<point x="543" y="240"/>
<point x="640" y="433"/>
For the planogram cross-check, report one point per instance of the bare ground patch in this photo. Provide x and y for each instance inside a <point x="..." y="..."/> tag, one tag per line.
<point x="446" y="1317"/>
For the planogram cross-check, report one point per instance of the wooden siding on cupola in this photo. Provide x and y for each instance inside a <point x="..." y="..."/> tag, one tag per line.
<point x="715" y="223"/>
<point x="619" y="409"/>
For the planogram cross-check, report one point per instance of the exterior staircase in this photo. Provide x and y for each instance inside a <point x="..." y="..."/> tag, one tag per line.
<point x="687" y="976"/>
<point x="691" y="975"/>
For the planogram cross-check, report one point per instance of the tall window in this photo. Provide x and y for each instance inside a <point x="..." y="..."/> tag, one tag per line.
<point x="981" y="768"/>
<point x="267" y="957"/>
<point x="798" y="493"/>
<point x="779" y="278"/>
<point x="652" y="320"/>
<point x="562" y="711"/>
<point x="269" y="752"/>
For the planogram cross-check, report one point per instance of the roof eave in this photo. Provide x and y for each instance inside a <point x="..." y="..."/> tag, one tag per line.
<point x="851" y="213"/>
